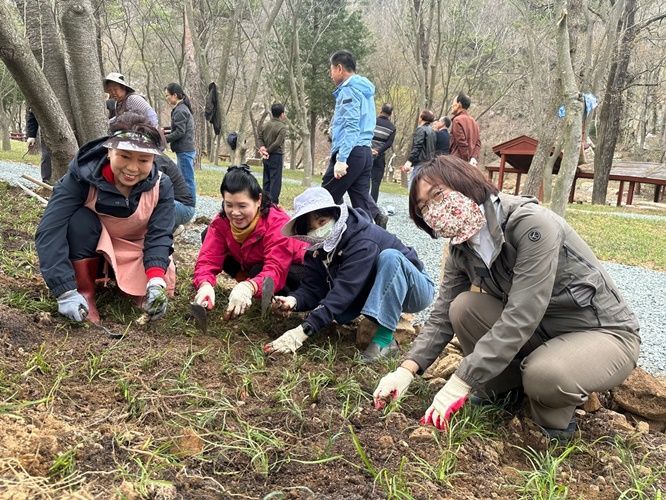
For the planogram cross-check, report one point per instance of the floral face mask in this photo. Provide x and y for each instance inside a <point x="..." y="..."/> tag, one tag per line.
<point x="453" y="215"/>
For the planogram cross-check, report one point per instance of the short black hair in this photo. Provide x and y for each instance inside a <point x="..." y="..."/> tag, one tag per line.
<point x="464" y="100"/>
<point x="446" y="121"/>
<point x="387" y="109"/>
<point x="344" y="58"/>
<point x="301" y="226"/>
<point x="277" y="109"/>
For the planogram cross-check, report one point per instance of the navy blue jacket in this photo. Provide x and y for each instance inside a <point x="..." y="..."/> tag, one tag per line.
<point x="350" y="274"/>
<point x="70" y="194"/>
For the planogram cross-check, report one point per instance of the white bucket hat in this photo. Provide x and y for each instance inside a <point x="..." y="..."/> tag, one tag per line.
<point x="118" y="78"/>
<point x="310" y="200"/>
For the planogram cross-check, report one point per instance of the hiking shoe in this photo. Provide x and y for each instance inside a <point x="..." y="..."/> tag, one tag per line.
<point x="562" y="436"/>
<point x="373" y="352"/>
<point x="381" y="219"/>
<point x="505" y="399"/>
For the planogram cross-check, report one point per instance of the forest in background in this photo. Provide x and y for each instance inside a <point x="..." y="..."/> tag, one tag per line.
<point x="520" y="61"/>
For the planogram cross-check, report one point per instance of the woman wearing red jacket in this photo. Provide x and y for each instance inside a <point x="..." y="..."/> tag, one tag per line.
<point x="244" y="240"/>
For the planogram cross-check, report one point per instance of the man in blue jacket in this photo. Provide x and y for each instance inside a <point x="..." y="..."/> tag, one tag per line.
<point x="352" y="129"/>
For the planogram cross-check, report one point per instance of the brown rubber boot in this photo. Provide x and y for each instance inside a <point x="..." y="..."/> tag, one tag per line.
<point x="85" y="271"/>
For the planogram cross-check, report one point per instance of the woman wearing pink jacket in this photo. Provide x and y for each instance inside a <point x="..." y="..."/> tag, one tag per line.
<point x="244" y="240"/>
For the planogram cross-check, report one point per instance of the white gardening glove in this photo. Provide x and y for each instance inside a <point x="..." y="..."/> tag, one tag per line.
<point x="240" y="299"/>
<point x="155" y="301"/>
<point x="407" y="167"/>
<point x="284" y="304"/>
<point x="392" y="386"/>
<point x="473" y="162"/>
<point x="30" y="142"/>
<point x="448" y="400"/>
<point x="340" y="169"/>
<point x="205" y="296"/>
<point x="73" y="305"/>
<point x="289" y="342"/>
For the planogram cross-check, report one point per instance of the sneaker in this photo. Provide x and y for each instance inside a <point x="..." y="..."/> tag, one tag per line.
<point x="560" y="435"/>
<point x="373" y="352"/>
<point x="381" y="219"/>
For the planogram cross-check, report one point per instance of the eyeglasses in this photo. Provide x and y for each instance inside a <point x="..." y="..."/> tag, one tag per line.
<point x="437" y="197"/>
<point x="244" y="167"/>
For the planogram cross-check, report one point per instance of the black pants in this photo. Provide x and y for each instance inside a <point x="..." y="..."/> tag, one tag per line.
<point x="272" y="183"/>
<point x="45" y="162"/>
<point x="83" y="233"/>
<point x="356" y="183"/>
<point x="378" y="168"/>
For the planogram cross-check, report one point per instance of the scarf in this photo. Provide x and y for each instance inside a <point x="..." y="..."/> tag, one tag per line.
<point x="240" y="235"/>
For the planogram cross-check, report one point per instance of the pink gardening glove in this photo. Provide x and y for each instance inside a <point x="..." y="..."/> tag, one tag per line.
<point x="448" y="400"/>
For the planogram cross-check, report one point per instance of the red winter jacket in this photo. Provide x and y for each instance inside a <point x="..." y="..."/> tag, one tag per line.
<point x="266" y="245"/>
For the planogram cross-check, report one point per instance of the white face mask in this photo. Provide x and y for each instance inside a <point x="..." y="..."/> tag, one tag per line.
<point x="322" y="232"/>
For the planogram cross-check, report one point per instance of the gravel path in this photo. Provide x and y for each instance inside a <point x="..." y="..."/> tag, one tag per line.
<point x="644" y="289"/>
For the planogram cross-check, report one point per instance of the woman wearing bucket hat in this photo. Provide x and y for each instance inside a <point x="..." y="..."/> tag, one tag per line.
<point x="244" y="240"/>
<point x="352" y="267"/>
<point x="127" y="100"/>
<point x="549" y="321"/>
<point x="111" y="214"/>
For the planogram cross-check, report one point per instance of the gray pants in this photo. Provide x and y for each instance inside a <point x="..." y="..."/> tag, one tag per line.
<point x="556" y="375"/>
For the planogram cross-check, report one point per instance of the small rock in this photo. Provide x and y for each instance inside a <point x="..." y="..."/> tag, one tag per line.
<point x="422" y="434"/>
<point x="580" y="413"/>
<point x="397" y="420"/>
<point x="404" y="444"/>
<point x="515" y="425"/>
<point x="564" y="475"/>
<point x="594" y="488"/>
<point x="619" y="422"/>
<point x="643" y="427"/>
<point x="386" y="442"/>
<point x="643" y="395"/>
<point x="593" y="403"/>
<point x="189" y="443"/>
<point x="601" y="481"/>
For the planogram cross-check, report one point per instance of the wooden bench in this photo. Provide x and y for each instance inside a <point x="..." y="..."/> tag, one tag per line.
<point x="17" y="136"/>
<point x="491" y="169"/>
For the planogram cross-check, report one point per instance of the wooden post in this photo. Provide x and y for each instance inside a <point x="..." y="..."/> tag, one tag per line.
<point x="620" y="192"/>
<point x="572" y="193"/>
<point x="657" y="192"/>
<point x="500" y="179"/>
<point x="517" y="190"/>
<point x="630" y="193"/>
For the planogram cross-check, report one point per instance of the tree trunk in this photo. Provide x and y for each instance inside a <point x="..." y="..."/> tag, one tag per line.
<point x="15" y="53"/>
<point x="536" y="174"/>
<point x="197" y="72"/>
<point x="573" y="120"/>
<point x="4" y="129"/>
<point x="86" y="93"/>
<point x="42" y="33"/>
<point x="254" y="84"/>
<point x="610" y="114"/>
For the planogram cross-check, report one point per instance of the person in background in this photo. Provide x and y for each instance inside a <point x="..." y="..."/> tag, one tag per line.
<point x="549" y="320"/>
<point x="271" y="141"/>
<point x="352" y="267"/>
<point x="182" y="194"/>
<point x="423" y="143"/>
<point x="111" y="214"/>
<point x="127" y="100"/>
<point x="465" y="135"/>
<point x="33" y="135"/>
<point x="181" y="136"/>
<point x="352" y="127"/>
<point x="244" y="241"/>
<point x="381" y="141"/>
<point x="441" y="128"/>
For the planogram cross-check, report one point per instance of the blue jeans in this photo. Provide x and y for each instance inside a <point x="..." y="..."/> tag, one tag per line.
<point x="184" y="213"/>
<point x="186" y="166"/>
<point x="399" y="287"/>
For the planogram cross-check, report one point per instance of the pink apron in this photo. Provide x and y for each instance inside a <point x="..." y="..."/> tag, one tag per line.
<point x="121" y="243"/>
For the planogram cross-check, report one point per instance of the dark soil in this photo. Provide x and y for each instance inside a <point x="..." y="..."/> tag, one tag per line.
<point x="167" y="412"/>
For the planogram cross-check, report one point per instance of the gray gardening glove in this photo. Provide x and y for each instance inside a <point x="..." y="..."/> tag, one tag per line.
<point x="155" y="302"/>
<point x="73" y="305"/>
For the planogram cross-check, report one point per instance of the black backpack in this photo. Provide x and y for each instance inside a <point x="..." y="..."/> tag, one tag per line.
<point x="232" y="140"/>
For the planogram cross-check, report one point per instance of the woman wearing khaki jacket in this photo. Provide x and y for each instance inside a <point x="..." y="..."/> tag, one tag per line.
<point x="549" y="319"/>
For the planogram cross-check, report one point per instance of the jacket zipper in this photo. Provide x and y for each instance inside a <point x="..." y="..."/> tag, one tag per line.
<point x="582" y="260"/>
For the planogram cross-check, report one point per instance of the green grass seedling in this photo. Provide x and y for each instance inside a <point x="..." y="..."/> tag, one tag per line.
<point x="64" y="464"/>
<point x="644" y="480"/>
<point x="541" y="482"/>
<point x="38" y="363"/>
